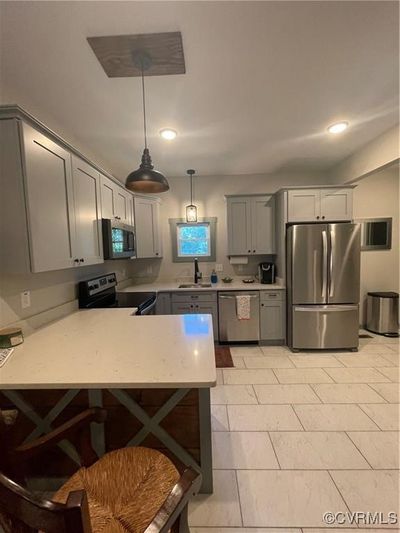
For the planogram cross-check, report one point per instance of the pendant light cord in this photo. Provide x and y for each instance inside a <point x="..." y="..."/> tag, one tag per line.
<point x="144" y="108"/>
<point x="191" y="189"/>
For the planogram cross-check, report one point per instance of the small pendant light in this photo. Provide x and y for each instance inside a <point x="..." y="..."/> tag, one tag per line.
<point x="191" y="210"/>
<point x="145" y="179"/>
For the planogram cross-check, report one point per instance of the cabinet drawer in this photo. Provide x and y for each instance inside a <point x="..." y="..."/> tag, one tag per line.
<point x="266" y="296"/>
<point x="189" y="297"/>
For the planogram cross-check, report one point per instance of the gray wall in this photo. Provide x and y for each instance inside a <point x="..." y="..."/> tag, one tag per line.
<point x="49" y="290"/>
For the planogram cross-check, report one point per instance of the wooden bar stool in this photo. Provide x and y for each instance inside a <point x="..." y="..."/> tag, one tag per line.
<point x="131" y="490"/>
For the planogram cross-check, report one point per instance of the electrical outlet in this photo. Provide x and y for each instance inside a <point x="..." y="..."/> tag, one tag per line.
<point x="149" y="270"/>
<point x="219" y="267"/>
<point x="25" y="299"/>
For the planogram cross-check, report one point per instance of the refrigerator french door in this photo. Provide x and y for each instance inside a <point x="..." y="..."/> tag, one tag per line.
<point x="323" y="286"/>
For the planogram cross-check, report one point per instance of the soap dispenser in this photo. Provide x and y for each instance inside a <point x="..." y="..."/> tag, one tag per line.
<point x="214" y="277"/>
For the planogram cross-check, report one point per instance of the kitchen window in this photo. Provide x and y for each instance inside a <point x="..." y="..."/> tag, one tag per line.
<point x="190" y="240"/>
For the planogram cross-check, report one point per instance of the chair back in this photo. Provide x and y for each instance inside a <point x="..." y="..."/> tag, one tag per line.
<point x="23" y="512"/>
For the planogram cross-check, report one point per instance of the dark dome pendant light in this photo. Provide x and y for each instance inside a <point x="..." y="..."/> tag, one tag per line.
<point x="145" y="179"/>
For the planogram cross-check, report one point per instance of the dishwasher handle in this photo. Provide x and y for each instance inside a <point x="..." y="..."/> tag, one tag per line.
<point x="233" y="297"/>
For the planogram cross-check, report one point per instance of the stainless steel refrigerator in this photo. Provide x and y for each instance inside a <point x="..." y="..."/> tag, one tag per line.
<point x="323" y="282"/>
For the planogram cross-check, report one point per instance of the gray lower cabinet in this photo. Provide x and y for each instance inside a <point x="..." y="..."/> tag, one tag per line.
<point x="272" y="310"/>
<point x="163" y="305"/>
<point x="272" y="316"/>
<point x="183" y="303"/>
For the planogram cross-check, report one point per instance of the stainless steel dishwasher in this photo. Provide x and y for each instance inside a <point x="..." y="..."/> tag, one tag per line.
<point x="231" y="329"/>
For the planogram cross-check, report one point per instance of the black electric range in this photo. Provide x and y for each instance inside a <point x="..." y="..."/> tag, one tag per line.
<point x="100" y="293"/>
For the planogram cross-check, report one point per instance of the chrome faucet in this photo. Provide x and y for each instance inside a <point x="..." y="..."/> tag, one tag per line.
<point x="197" y="274"/>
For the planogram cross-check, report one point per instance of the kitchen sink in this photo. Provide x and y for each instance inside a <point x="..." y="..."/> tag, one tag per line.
<point x="194" y="285"/>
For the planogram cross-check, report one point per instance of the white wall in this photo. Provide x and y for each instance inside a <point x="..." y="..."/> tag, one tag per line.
<point x="209" y="197"/>
<point x="377" y="154"/>
<point x="377" y="195"/>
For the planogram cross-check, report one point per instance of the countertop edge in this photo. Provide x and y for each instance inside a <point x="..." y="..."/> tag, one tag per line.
<point x="86" y="386"/>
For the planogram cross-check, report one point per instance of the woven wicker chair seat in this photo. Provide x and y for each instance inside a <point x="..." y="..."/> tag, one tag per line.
<point x="125" y="489"/>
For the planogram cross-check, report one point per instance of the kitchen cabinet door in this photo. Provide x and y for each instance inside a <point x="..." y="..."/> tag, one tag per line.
<point x="239" y="221"/>
<point x="116" y="201"/>
<point x="304" y="205"/>
<point x="272" y="320"/>
<point x="121" y="205"/>
<point x="86" y="184"/>
<point x="208" y="309"/>
<point x="131" y="216"/>
<point x="107" y="198"/>
<point x="163" y="305"/>
<point x="49" y="202"/>
<point x="147" y="223"/>
<point x="336" y="204"/>
<point x="263" y="225"/>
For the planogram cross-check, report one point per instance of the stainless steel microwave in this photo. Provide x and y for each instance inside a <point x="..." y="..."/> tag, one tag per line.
<point x="118" y="240"/>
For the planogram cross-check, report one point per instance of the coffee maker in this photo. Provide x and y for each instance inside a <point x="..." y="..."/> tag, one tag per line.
<point x="267" y="273"/>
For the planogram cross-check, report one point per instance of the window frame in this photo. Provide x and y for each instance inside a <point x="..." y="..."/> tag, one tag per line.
<point x="175" y="222"/>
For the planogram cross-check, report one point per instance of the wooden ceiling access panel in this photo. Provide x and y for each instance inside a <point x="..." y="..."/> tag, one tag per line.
<point x="116" y="54"/>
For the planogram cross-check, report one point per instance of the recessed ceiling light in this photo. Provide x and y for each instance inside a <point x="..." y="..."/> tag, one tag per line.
<point x="338" y="127"/>
<point x="168" y="134"/>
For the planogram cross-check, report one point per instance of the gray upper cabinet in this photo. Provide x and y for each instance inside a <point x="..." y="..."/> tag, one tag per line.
<point x="86" y="185"/>
<point x="49" y="202"/>
<point x="116" y="201"/>
<point x="57" y="199"/>
<point x="239" y="226"/>
<point x="251" y="225"/>
<point x="304" y="205"/>
<point x="147" y="224"/>
<point x="337" y="204"/>
<point x="315" y="205"/>
<point x="107" y="198"/>
<point x="263" y="225"/>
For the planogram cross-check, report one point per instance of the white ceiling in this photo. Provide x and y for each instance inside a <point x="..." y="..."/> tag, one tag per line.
<point x="263" y="81"/>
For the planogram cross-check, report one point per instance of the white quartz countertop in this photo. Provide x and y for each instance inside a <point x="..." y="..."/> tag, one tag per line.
<point x="173" y="286"/>
<point x="110" y="348"/>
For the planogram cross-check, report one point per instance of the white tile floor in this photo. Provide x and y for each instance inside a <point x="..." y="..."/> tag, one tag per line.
<point x="295" y="436"/>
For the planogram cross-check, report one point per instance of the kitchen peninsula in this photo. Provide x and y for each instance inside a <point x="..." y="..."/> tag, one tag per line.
<point x="153" y="375"/>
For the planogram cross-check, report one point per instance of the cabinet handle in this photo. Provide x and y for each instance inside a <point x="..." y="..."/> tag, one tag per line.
<point x="81" y="260"/>
<point x="254" y="251"/>
<point x="317" y="218"/>
<point x="323" y="218"/>
<point x="156" y="253"/>
<point x="249" y="251"/>
<point x="262" y="305"/>
<point x="76" y="260"/>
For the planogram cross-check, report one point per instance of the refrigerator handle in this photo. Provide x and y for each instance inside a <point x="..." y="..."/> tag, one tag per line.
<point x="331" y="278"/>
<point x="324" y="262"/>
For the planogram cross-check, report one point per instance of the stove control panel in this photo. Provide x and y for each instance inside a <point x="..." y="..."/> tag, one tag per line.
<point x="98" y="285"/>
